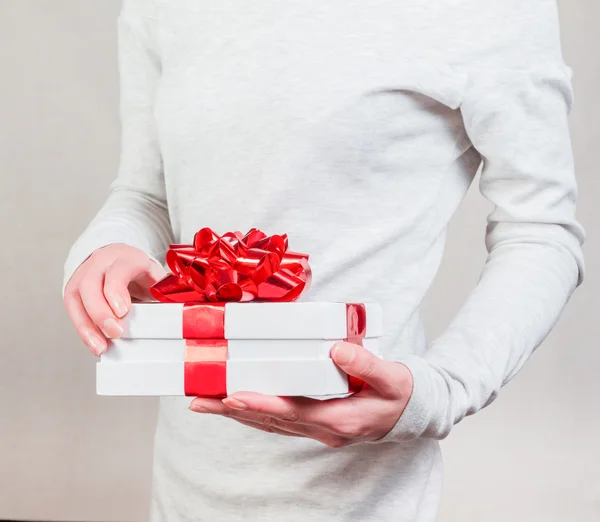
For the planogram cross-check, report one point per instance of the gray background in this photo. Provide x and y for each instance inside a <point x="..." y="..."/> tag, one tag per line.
<point x="67" y="455"/>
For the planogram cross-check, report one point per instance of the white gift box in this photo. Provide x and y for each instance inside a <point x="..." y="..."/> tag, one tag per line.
<point x="216" y="349"/>
<point x="156" y="367"/>
<point x="297" y="320"/>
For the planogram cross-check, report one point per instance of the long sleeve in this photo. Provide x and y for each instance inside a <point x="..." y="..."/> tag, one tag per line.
<point x="136" y="210"/>
<point x="516" y="118"/>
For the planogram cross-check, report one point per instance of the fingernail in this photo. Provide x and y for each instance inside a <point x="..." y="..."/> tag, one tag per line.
<point x="343" y="354"/>
<point x="112" y="327"/>
<point x="95" y="343"/>
<point x="118" y="305"/>
<point x="199" y="409"/>
<point x="235" y="404"/>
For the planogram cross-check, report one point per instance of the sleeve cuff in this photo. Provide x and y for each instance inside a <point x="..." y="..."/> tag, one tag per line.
<point x="417" y="415"/>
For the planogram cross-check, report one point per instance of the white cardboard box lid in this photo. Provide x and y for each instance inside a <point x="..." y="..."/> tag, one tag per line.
<point x="298" y="320"/>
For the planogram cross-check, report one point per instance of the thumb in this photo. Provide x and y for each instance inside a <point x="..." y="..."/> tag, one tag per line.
<point x="130" y="274"/>
<point x="139" y="287"/>
<point x="153" y="273"/>
<point x="384" y="376"/>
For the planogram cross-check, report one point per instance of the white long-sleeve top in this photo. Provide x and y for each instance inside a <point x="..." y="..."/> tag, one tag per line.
<point x="356" y="128"/>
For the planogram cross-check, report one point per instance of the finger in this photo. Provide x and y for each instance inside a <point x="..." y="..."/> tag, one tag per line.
<point x="92" y="295"/>
<point x="268" y="429"/>
<point x="325" y="438"/>
<point x="205" y="405"/>
<point x="143" y="271"/>
<point x="276" y="426"/>
<point x="85" y="327"/>
<point x="140" y="287"/>
<point x="218" y="407"/>
<point x="336" y="421"/>
<point x="385" y="376"/>
<point x="324" y="414"/>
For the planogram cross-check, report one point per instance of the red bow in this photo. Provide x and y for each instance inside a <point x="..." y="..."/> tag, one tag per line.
<point x="233" y="267"/>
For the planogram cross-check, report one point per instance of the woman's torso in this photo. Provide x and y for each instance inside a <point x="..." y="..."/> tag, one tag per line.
<point x="339" y="124"/>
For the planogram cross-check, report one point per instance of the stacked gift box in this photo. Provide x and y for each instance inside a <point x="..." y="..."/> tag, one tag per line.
<point x="201" y="349"/>
<point x="227" y="320"/>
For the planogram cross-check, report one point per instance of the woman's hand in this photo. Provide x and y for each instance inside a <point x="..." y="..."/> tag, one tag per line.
<point x="366" y="416"/>
<point x="99" y="293"/>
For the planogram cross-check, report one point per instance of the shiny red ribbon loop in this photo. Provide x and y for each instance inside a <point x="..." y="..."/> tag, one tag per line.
<point x="233" y="267"/>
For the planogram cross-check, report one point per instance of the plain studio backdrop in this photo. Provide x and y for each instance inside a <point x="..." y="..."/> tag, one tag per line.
<point x="66" y="454"/>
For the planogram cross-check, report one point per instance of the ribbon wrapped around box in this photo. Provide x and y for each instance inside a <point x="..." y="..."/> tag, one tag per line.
<point x="227" y="321"/>
<point x="299" y="320"/>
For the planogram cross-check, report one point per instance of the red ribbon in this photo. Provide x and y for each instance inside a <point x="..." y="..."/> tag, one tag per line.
<point x="203" y="321"/>
<point x="205" y="368"/>
<point x="233" y="267"/>
<point x="356" y="329"/>
<point x="205" y="362"/>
